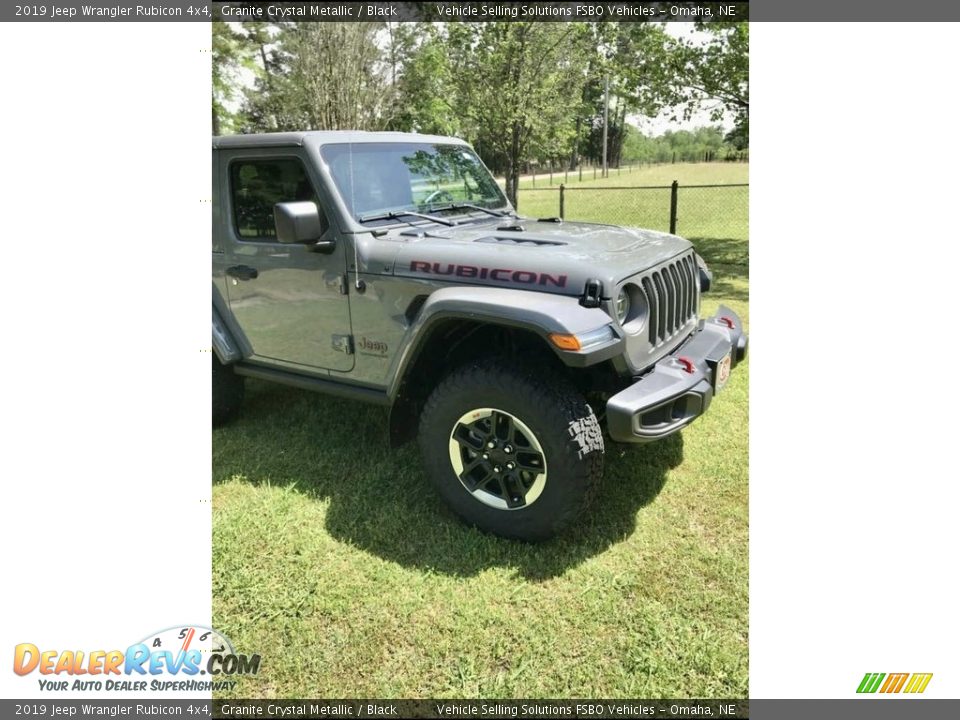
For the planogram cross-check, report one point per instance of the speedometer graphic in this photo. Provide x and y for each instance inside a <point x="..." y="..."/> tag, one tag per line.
<point x="180" y="640"/>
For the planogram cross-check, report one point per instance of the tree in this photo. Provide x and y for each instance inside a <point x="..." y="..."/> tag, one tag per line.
<point x="709" y="70"/>
<point x="339" y="76"/>
<point x="521" y="92"/>
<point x="513" y="82"/>
<point x="633" y="56"/>
<point x="321" y="76"/>
<point x="739" y="137"/>
<point x="715" y="71"/>
<point x="425" y="96"/>
<point x="230" y="53"/>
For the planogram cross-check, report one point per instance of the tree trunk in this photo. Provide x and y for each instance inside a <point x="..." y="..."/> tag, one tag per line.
<point x="513" y="165"/>
<point x="216" y="122"/>
<point x="621" y="134"/>
<point x="575" y="153"/>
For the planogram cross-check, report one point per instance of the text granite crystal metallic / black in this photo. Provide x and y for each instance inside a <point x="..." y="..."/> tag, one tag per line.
<point x="390" y="268"/>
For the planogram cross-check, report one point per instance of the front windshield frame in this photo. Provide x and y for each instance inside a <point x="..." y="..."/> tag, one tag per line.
<point x="429" y="189"/>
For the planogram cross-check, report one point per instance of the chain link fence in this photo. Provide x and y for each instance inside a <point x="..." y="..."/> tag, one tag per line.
<point x="693" y="211"/>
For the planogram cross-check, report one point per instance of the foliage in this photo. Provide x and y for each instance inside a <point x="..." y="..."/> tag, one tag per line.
<point x="714" y="73"/>
<point x="231" y="52"/>
<point x="421" y="69"/>
<point x="676" y="146"/>
<point x="523" y="93"/>
<point x="512" y="81"/>
<point x="328" y="76"/>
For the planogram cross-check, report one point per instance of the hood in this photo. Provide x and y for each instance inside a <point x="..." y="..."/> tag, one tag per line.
<point x="530" y="254"/>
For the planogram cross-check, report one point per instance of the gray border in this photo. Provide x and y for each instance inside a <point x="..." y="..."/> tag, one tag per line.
<point x="872" y="708"/>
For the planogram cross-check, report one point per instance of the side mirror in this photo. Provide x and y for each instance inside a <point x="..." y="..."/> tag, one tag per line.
<point x="301" y="222"/>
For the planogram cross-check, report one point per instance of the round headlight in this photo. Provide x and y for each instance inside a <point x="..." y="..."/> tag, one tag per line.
<point x="623" y="305"/>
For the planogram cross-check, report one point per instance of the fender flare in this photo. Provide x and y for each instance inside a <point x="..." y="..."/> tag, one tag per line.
<point x="540" y="313"/>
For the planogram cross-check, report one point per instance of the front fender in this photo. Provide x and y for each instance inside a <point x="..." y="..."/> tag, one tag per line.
<point x="541" y="313"/>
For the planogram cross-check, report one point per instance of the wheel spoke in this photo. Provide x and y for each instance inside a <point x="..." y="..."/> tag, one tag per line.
<point x="503" y="428"/>
<point x="474" y="485"/>
<point x="466" y="437"/>
<point x="516" y="493"/>
<point x="468" y="468"/>
<point x="530" y="460"/>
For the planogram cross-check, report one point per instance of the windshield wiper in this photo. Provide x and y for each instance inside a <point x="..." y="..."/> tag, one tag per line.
<point x="399" y="214"/>
<point x="470" y="206"/>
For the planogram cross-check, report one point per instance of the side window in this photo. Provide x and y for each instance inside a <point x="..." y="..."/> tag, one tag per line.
<point x="257" y="185"/>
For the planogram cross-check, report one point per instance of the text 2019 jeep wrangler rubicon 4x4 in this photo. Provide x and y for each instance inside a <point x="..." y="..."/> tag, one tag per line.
<point x="390" y="268"/>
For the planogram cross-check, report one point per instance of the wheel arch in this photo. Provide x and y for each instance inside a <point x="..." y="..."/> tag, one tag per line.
<point x="455" y="325"/>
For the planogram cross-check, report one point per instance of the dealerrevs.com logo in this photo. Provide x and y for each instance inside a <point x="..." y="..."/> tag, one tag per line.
<point x="894" y="682"/>
<point x="183" y="658"/>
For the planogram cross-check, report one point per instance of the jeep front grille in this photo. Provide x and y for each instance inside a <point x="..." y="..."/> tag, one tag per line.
<point x="671" y="294"/>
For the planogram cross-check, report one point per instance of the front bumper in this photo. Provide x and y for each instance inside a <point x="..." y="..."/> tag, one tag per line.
<point x="680" y="387"/>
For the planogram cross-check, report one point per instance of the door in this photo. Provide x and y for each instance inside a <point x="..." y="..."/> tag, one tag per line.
<point x="288" y="300"/>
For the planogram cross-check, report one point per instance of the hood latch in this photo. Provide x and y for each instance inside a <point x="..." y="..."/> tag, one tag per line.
<point x="592" y="292"/>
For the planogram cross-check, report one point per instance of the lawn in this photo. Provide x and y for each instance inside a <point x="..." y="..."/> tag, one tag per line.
<point x="641" y="197"/>
<point x="335" y="562"/>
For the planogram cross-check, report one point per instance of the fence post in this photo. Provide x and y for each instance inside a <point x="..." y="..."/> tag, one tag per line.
<point x="561" y="201"/>
<point x="673" y="207"/>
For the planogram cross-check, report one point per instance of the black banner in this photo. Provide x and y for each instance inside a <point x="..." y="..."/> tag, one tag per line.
<point x="846" y="709"/>
<point x="598" y="709"/>
<point x="349" y="11"/>
<point x="475" y="11"/>
<point x="478" y="11"/>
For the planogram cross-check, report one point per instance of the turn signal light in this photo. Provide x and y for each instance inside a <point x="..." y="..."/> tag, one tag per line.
<point x="565" y="342"/>
<point x="584" y="340"/>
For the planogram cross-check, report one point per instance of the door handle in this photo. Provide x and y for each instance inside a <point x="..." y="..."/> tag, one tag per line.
<point x="242" y="272"/>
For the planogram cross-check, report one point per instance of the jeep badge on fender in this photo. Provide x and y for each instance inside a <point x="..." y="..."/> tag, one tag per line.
<point x="390" y="268"/>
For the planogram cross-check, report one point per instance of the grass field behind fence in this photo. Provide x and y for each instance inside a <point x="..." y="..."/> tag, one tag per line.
<point x="701" y="211"/>
<point x="335" y="562"/>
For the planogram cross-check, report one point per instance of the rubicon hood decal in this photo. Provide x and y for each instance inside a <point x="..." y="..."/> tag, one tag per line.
<point x="547" y="258"/>
<point x="526" y="277"/>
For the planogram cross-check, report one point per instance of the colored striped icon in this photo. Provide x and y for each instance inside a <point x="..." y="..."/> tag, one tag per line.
<point x="894" y="682"/>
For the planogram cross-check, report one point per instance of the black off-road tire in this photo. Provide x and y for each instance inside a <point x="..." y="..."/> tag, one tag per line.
<point x="526" y="401"/>
<point x="228" y="390"/>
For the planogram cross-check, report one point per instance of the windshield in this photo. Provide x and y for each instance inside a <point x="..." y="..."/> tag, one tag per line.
<point x="379" y="178"/>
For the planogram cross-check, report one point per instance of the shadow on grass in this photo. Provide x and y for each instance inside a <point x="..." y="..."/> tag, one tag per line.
<point x="380" y="501"/>
<point x="728" y="259"/>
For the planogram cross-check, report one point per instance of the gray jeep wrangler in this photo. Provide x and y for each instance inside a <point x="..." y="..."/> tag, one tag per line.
<point x="390" y="268"/>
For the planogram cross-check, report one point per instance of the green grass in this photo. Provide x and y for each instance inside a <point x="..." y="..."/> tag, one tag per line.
<point x="704" y="212"/>
<point x="334" y="560"/>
